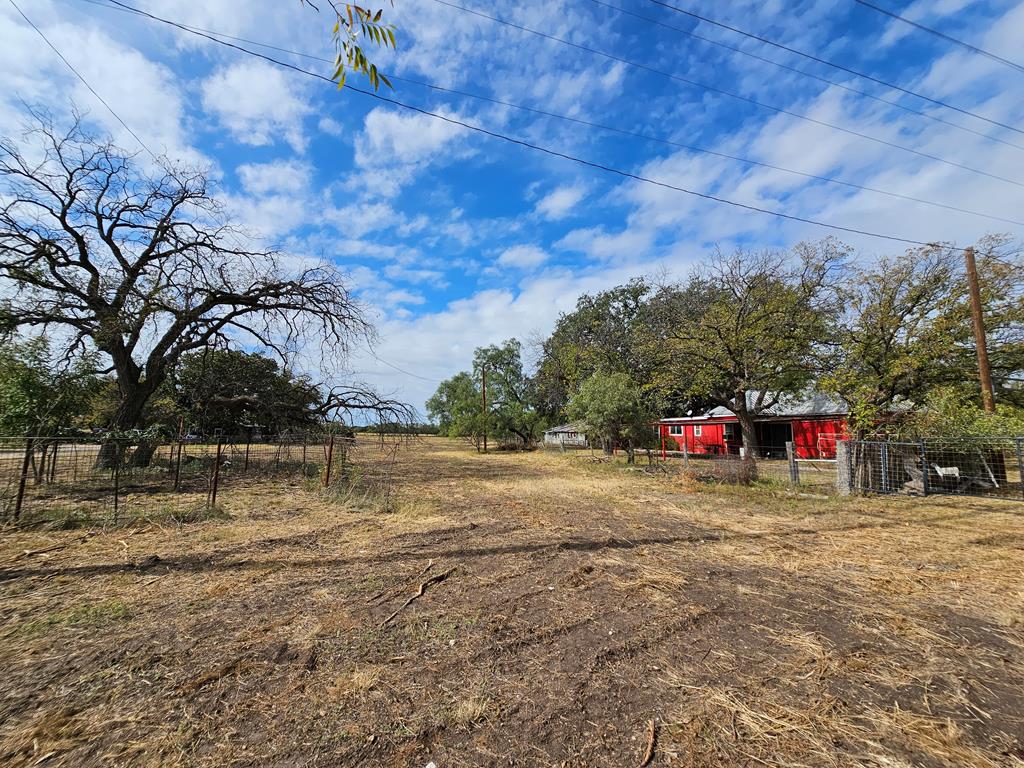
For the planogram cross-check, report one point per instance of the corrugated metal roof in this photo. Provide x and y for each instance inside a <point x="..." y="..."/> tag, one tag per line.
<point x="811" y="404"/>
<point x="563" y="428"/>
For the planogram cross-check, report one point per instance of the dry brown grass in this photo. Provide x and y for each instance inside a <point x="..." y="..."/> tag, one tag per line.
<point x="756" y="627"/>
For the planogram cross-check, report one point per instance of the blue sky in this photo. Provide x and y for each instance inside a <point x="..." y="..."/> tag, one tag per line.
<point x="455" y="239"/>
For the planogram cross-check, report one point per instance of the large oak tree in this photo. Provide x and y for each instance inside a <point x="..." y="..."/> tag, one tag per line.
<point x="145" y="267"/>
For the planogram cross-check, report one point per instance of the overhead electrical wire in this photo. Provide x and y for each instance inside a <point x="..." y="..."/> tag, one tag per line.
<point x="601" y="126"/>
<point x="81" y="77"/>
<point x="546" y="150"/>
<point x="841" y="67"/>
<point x="730" y="94"/>
<point x="805" y="73"/>
<point x="943" y="35"/>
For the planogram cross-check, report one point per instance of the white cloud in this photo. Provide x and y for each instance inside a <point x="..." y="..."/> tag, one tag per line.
<point x="560" y="203"/>
<point x="283" y="176"/>
<point x="145" y="94"/>
<point x="394" y="146"/>
<point x="523" y="257"/>
<point x="258" y="103"/>
<point x="331" y="127"/>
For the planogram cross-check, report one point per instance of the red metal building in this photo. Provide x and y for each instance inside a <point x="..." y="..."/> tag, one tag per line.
<point x="813" y="424"/>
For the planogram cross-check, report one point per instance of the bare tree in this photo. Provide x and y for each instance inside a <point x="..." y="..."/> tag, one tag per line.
<point x="144" y="268"/>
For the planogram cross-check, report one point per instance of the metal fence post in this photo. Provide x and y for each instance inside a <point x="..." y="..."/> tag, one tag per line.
<point x="177" y="467"/>
<point x="26" y="460"/>
<point x="245" y="465"/>
<point x="117" y="485"/>
<point x="330" y="459"/>
<point x="924" y="469"/>
<point x="794" y="469"/>
<point x="884" y="451"/>
<point x="53" y="462"/>
<point x="216" y="475"/>
<point x="304" y="439"/>
<point x="686" y="452"/>
<point x="1020" y="463"/>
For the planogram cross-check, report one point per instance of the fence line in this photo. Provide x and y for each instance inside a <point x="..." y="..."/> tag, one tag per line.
<point x="988" y="467"/>
<point x="78" y="480"/>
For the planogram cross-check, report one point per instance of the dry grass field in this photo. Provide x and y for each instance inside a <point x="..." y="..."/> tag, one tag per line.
<point x="567" y="613"/>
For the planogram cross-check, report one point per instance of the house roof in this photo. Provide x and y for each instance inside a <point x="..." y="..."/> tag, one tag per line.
<point x="563" y="428"/>
<point x="811" y="404"/>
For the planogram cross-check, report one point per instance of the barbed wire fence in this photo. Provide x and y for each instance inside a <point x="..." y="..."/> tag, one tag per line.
<point x="96" y="481"/>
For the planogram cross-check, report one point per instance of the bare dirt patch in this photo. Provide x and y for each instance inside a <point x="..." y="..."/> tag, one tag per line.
<point x="580" y="602"/>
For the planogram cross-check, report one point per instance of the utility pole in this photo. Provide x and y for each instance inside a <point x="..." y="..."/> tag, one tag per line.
<point x="988" y="401"/>
<point x="483" y="373"/>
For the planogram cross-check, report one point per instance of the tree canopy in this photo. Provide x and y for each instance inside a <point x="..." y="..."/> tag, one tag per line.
<point x="609" y="406"/>
<point x="747" y="328"/>
<point x="140" y="269"/>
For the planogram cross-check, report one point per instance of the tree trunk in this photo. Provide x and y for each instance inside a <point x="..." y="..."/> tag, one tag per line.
<point x="127" y="416"/>
<point x="749" y="433"/>
<point x="143" y="455"/>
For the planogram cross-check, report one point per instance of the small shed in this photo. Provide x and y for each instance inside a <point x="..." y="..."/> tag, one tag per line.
<point x="567" y="435"/>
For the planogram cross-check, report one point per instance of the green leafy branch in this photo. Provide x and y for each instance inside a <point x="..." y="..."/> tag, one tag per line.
<point x="353" y="25"/>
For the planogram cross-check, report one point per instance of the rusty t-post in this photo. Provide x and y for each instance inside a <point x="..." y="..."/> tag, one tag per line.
<point x="216" y="475"/>
<point x="26" y="460"/>
<point x="330" y="459"/>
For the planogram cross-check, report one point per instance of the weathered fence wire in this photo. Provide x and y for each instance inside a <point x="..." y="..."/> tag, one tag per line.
<point x="990" y="467"/>
<point x="74" y="481"/>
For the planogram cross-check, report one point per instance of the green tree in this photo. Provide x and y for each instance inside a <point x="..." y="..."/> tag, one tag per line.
<point x="610" y="406"/>
<point x="456" y="407"/>
<point x="599" y="334"/>
<point x="894" y="340"/>
<point x="949" y="412"/>
<point x="230" y="391"/>
<point x="510" y="411"/>
<point x="36" y="396"/>
<point x="747" y="329"/>
<point x="906" y="330"/>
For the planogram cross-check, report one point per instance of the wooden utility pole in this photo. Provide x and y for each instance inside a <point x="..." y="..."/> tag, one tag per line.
<point x="483" y="373"/>
<point x="988" y="400"/>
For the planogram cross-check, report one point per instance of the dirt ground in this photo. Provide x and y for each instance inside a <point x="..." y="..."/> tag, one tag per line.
<point x="572" y="614"/>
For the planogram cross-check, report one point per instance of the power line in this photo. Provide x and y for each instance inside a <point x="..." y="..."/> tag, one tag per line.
<point x="402" y="370"/>
<point x="730" y="94"/>
<point x="805" y="73"/>
<point x="840" y="67"/>
<point x="85" y="82"/>
<point x="541" y="149"/>
<point x="600" y="126"/>
<point x="943" y="35"/>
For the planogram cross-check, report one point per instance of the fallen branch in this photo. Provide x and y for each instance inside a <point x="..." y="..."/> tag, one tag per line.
<point x="419" y="593"/>
<point x="55" y="547"/>
<point x="649" y="752"/>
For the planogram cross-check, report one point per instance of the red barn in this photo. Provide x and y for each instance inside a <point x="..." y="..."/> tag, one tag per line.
<point x="812" y="424"/>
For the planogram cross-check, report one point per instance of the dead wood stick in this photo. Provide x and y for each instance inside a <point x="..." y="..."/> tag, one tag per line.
<point x="386" y="592"/>
<point x="419" y="593"/>
<point x="649" y="752"/>
<point x="55" y="547"/>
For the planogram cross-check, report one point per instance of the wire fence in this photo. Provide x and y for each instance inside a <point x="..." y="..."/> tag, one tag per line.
<point x="781" y="464"/>
<point x="989" y="467"/>
<point x="112" y="481"/>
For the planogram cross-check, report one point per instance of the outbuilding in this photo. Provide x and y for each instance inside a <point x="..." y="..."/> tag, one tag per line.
<point x="813" y="424"/>
<point x="568" y="435"/>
